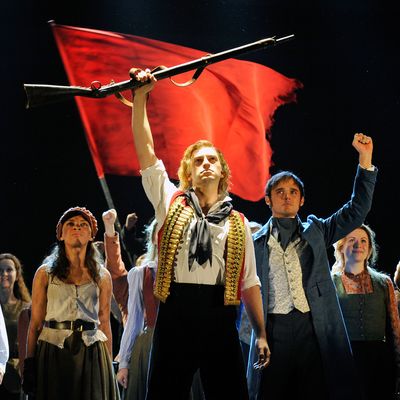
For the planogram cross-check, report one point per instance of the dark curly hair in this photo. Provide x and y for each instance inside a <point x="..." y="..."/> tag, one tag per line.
<point x="58" y="264"/>
<point x="283" y="176"/>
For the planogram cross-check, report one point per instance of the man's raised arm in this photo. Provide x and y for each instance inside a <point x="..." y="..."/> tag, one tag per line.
<point x="142" y="135"/>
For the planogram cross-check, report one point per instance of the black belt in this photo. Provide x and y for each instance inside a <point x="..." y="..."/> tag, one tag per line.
<point x="77" y="325"/>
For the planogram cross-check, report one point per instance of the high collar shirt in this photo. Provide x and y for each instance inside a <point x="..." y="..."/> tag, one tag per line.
<point x="160" y="190"/>
<point x="357" y="283"/>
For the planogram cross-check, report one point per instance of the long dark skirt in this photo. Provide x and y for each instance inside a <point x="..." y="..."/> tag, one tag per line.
<point x="75" y="372"/>
<point x="137" y="378"/>
<point x="375" y="367"/>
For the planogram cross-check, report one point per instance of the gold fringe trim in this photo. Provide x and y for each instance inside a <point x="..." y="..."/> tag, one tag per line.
<point x="178" y="217"/>
<point x="234" y="259"/>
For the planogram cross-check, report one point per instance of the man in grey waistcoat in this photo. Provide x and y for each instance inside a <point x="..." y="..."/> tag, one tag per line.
<point x="311" y="356"/>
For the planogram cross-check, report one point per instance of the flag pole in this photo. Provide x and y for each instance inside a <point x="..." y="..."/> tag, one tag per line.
<point x="110" y="203"/>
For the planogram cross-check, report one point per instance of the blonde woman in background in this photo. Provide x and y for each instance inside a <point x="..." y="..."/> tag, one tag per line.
<point x="369" y="309"/>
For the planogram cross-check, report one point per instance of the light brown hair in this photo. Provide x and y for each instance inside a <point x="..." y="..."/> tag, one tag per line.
<point x="20" y="290"/>
<point x="372" y="254"/>
<point x="186" y="164"/>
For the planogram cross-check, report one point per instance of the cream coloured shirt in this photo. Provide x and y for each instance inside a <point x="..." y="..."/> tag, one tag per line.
<point x="68" y="302"/>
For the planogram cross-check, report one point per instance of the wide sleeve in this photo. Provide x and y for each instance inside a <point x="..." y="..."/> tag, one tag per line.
<point x="114" y="262"/>
<point x="23" y="326"/>
<point x="135" y="322"/>
<point x="3" y="344"/>
<point x="116" y="267"/>
<point x="394" y="325"/>
<point x="159" y="190"/>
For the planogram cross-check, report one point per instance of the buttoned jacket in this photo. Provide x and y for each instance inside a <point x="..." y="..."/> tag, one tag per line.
<point x="327" y="318"/>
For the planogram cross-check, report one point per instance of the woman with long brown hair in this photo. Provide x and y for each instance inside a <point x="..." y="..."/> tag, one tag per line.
<point x="14" y="299"/>
<point x="69" y="342"/>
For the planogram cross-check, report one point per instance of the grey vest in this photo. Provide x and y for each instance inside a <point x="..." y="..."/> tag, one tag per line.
<point x="364" y="314"/>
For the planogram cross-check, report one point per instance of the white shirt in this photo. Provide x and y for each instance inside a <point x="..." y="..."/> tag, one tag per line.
<point x="3" y="344"/>
<point x="135" y="321"/>
<point x="160" y="190"/>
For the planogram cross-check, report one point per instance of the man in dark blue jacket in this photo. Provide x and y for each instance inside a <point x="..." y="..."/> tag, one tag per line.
<point x="310" y="351"/>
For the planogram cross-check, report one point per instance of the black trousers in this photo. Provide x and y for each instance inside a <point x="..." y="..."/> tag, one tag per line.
<point x="296" y="369"/>
<point x="194" y="330"/>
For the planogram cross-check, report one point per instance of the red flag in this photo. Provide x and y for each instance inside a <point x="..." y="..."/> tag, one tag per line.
<point x="231" y="104"/>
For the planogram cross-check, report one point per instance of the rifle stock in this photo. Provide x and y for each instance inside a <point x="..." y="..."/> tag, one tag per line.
<point x="38" y="94"/>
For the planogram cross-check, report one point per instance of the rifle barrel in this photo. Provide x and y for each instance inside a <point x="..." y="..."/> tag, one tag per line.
<point x="44" y="94"/>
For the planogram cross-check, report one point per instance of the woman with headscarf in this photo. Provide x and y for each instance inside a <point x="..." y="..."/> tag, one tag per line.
<point x="69" y="342"/>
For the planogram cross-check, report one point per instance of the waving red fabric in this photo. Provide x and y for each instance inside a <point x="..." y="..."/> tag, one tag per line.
<point x="231" y="104"/>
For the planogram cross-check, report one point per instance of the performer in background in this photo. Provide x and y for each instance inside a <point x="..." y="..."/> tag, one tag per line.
<point x="397" y="284"/>
<point x="205" y="265"/>
<point x="69" y="343"/>
<point x="136" y="339"/>
<point x="310" y="350"/>
<point x="369" y="307"/>
<point x="3" y="347"/>
<point x="113" y="255"/>
<point x="140" y="306"/>
<point x="135" y="244"/>
<point x="135" y="346"/>
<point x="244" y="323"/>
<point x="14" y="299"/>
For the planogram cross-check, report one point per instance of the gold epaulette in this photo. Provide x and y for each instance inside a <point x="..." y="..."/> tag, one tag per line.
<point x="234" y="259"/>
<point x="178" y="217"/>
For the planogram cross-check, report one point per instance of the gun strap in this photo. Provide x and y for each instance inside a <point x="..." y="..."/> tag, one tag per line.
<point x="197" y="73"/>
<point x="190" y="81"/>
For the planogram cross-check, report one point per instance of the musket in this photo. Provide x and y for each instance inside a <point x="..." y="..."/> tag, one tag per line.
<point x="38" y="94"/>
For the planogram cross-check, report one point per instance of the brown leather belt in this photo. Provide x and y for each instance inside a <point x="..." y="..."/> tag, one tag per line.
<point x="77" y="325"/>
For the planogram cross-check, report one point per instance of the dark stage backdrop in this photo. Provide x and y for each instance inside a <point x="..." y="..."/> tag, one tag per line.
<point x="346" y="54"/>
